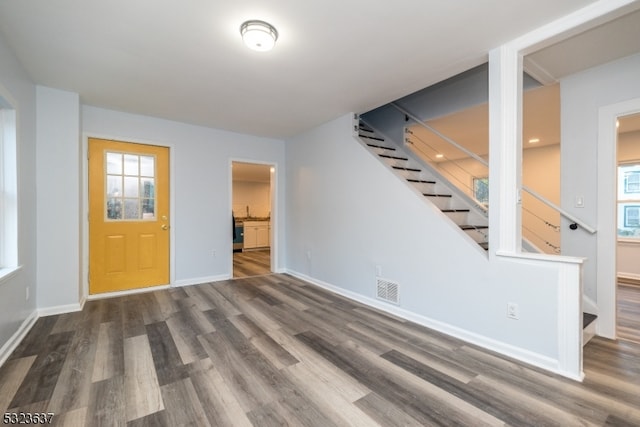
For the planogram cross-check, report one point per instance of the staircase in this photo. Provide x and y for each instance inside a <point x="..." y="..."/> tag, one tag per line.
<point x="470" y="217"/>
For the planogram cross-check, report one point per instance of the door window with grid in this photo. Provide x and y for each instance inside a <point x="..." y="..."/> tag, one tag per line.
<point x="130" y="192"/>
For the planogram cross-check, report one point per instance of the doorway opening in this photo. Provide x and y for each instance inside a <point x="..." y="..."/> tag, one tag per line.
<point x="628" y="228"/>
<point x="252" y="201"/>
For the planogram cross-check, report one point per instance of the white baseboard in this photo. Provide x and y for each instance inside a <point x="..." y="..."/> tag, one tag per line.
<point x="523" y="355"/>
<point x="60" y="309"/>
<point x="17" y="337"/>
<point x="200" y="280"/>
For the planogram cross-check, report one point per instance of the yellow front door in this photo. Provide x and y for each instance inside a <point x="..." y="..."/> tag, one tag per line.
<point x="128" y="216"/>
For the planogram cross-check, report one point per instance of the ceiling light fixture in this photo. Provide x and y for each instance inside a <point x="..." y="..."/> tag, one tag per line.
<point x="439" y="156"/>
<point x="534" y="140"/>
<point x="258" y="35"/>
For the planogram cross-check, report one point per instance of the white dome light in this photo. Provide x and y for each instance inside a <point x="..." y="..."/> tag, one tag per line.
<point x="258" y="35"/>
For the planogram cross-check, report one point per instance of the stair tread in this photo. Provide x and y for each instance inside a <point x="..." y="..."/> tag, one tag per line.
<point x="436" y="195"/>
<point x="484" y="245"/>
<point x="420" y="181"/>
<point x="406" y="169"/>
<point x="473" y="227"/>
<point x="376" y="138"/>
<point x="387" y="156"/>
<point x="381" y="147"/>
<point x="587" y="319"/>
<point x="456" y="210"/>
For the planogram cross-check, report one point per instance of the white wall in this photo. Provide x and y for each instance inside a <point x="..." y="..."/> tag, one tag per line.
<point x="582" y="96"/>
<point x="347" y="214"/>
<point x="17" y="88"/>
<point x="201" y="185"/>
<point x="59" y="199"/>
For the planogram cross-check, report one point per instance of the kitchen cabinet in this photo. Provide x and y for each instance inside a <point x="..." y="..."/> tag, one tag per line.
<point x="257" y="234"/>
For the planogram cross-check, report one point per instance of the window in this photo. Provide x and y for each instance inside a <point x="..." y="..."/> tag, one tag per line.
<point x="629" y="200"/>
<point x="8" y="190"/>
<point x="481" y="190"/>
<point x="632" y="182"/>
<point x="130" y="192"/>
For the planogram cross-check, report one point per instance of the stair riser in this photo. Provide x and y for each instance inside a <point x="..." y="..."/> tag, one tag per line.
<point x="458" y="217"/>
<point x="397" y="162"/>
<point x="424" y="188"/>
<point x="379" y="151"/>
<point x="441" y="202"/>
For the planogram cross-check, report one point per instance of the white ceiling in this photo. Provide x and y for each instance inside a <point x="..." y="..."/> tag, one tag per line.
<point x="184" y="60"/>
<point x="612" y="40"/>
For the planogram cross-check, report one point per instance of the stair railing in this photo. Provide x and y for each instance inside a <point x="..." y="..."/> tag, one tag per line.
<point x="444" y="164"/>
<point x="576" y="222"/>
<point x="441" y="135"/>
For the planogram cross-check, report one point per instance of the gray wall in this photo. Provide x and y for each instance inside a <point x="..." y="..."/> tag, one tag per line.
<point x="14" y="308"/>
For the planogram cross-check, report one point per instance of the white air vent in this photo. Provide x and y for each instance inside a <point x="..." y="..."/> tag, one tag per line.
<point x="388" y="291"/>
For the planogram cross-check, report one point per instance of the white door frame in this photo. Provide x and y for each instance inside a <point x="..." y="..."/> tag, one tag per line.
<point x="607" y="228"/>
<point x="273" y="238"/>
<point x="84" y="285"/>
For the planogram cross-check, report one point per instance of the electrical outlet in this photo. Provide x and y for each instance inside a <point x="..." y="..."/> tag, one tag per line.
<point x="308" y="255"/>
<point x="513" y="311"/>
<point x="379" y="270"/>
<point x="214" y="253"/>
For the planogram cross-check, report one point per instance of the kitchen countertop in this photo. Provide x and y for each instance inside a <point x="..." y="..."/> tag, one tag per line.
<point x="241" y="220"/>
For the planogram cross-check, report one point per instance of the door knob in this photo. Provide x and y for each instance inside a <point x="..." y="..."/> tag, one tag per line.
<point x="165" y="227"/>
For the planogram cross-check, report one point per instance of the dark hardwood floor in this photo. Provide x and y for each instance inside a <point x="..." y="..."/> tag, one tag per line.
<point x="628" y="321"/>
<point x="251" y="263"/>
<point x="273" y="350"/>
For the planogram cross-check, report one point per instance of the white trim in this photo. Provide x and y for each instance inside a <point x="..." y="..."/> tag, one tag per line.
<point x="606" y="270"/>
<point x="542" y="257"/>
<point x="15" y="339"/>
<point x="629" y="276"/>
<point x="115" y="294"/>
<point x="574" y="23"/>
<point x="505" y="149"/>
<point x="84" y="285"/>
<point x="525" y="356"/>
<point x="628" y="241"/>
<point x="60" y="309"/>
<point x="200" y="280"/>
<point x="8" y="273"/>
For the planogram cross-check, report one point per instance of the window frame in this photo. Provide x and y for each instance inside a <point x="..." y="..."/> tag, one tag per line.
<point x="627" y="199"/>
<point x="8" y="190"/>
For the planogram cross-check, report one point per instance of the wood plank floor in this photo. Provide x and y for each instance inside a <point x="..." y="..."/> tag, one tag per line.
<point x="628" y="312"/>
<point x="251" y="263"/>
<point x="273" y="350"/>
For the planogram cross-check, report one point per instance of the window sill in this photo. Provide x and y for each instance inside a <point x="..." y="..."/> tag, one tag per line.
<point x="629" y="241"/>
<point x="8" y="273"/>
